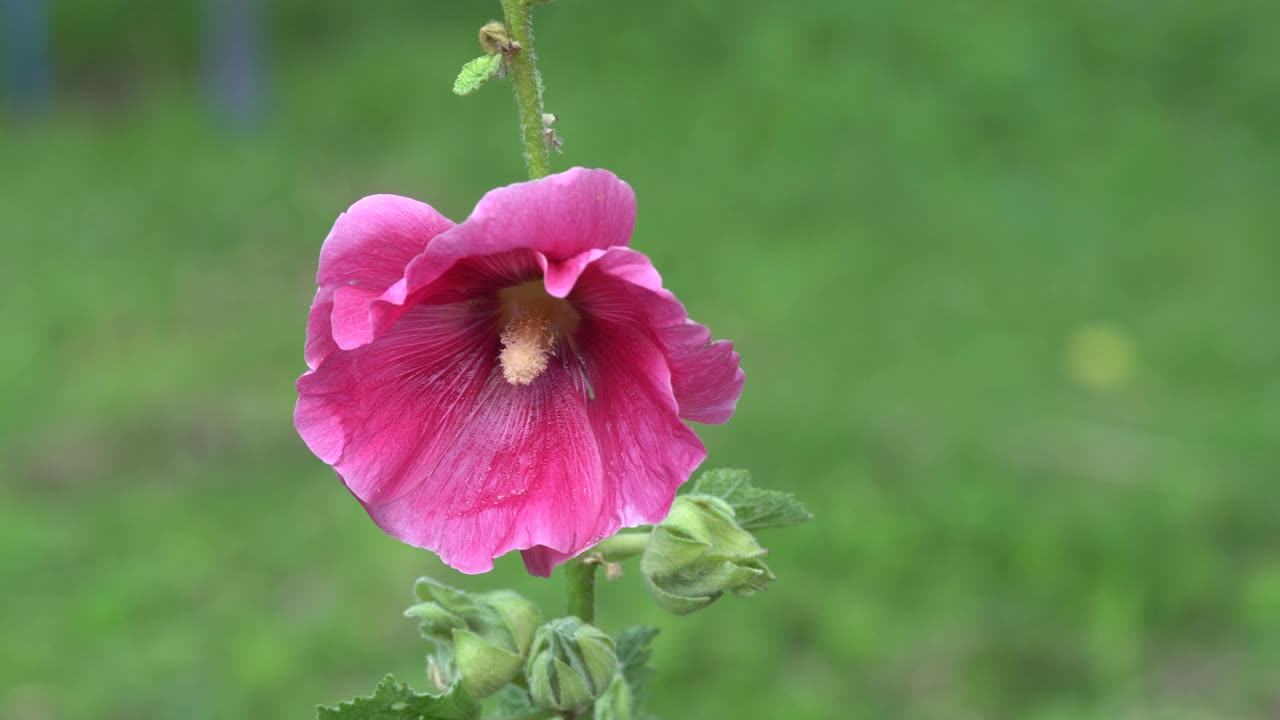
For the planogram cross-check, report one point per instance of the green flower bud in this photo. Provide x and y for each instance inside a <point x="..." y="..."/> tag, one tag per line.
<point x="615" y="704"/>
<point x="520" y="616"/>
<point x="570" y="665"/>
<point x="490" y="633"/>
<point x="698" y="553"/>
<point x="484" y="668"/>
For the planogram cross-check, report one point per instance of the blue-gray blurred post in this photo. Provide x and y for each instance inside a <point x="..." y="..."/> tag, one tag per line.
<point x="234" y="59"/>
<point x="27" y="60"/>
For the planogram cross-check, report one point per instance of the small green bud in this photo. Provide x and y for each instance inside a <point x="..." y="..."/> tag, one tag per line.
<point x="494" y="38"/>
<point x="570" y="664"/>
<point x="698" y="553"/>
<point x="490" y="633"/>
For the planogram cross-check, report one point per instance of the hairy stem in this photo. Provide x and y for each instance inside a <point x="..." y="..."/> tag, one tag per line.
<point x="524" y="76"/>
<point x="580" y="573"/>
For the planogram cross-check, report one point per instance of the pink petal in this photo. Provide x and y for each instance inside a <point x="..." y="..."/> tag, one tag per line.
<point x="649" y="451"/>
<point x="320" y="343"/>
<point x="320" y="427"/>
<point x="560" y="216"/>
<point x="444" y="453"/>
<point x="705" y="376"/>
<point x="540" y="560"/>
<point x="368" y="248"/>
<point x="372" y="242"/>
<point x="560" y="277"/>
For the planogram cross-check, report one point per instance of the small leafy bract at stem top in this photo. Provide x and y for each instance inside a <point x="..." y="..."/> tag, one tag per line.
<point x="393" y="700"/>
<point x="477" y="73"/>
<point x="754" y="508"/>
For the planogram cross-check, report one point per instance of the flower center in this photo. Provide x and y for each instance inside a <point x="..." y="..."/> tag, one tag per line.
<point x="533" y="323"/>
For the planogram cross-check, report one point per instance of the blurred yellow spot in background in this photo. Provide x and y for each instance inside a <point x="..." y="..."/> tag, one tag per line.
<point x="1101" y="356"/>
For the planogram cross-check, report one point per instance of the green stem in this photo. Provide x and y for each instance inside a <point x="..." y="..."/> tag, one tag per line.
<point x="622" y="546"/>
<point x="581" y="577"/>
<point x="524" y="76"/>
<point x="580" y="573"/>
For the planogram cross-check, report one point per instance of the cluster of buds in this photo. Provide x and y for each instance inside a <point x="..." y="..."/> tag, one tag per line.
<point x="703" y="550"/>
<point x="486" y="639"/>
<point x="482" y="638"/>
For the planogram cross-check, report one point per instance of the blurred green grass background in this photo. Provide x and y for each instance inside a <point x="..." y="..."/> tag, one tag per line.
<point x="1003" y="278"/>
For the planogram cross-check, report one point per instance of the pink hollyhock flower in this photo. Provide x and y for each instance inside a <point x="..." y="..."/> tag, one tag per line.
<point x="515" y="382"/>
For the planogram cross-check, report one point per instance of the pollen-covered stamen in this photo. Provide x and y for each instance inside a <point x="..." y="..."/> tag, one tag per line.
<point x="527" y="342"/>
<point x="533" y="325"/>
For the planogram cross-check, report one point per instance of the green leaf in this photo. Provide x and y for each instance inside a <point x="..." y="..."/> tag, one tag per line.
<point x="477" y="73"/>
<point x="633" y="662"/>
<point x="754" y="508"/>
<point x="513" y="701"/>
<point x="393" y="700"/>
